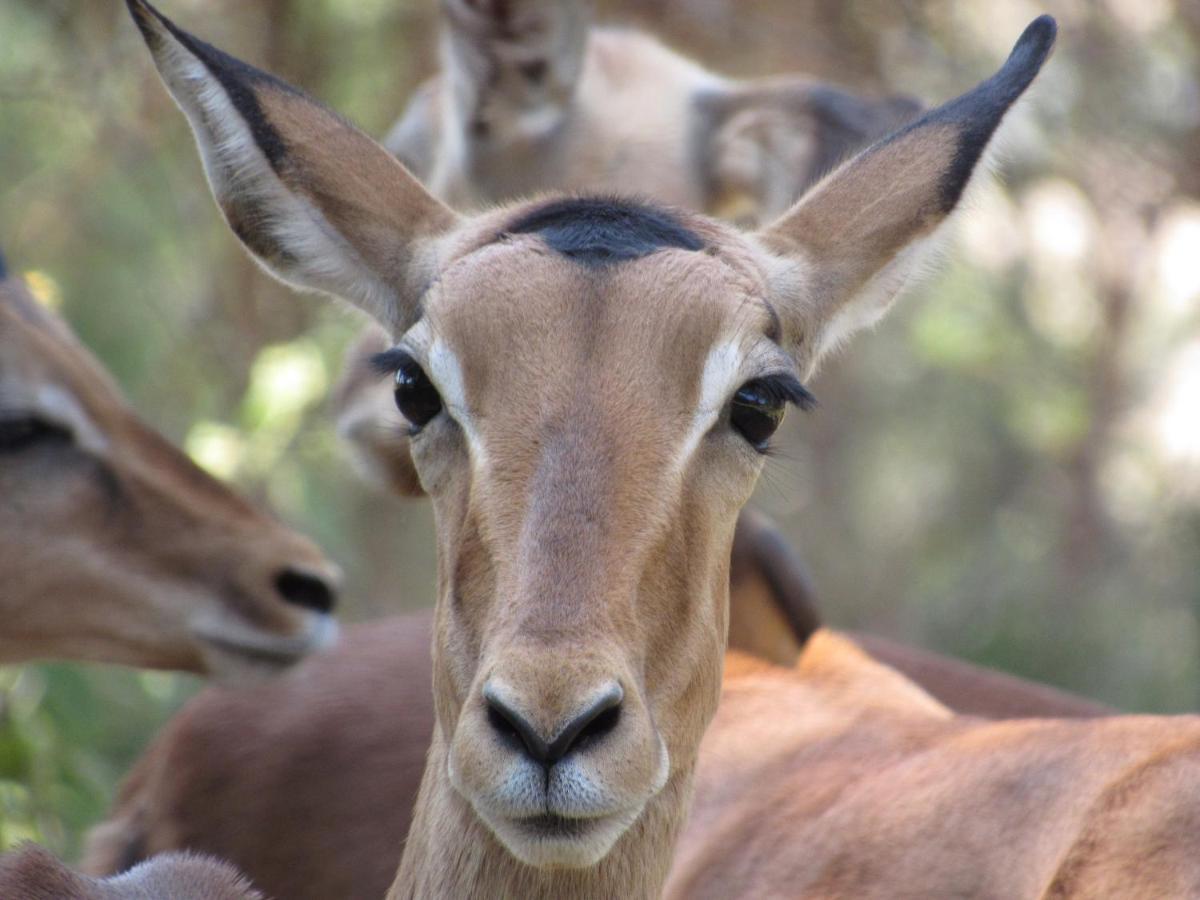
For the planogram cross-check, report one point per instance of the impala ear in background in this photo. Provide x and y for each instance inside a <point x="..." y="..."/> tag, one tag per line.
<point x="763" y="143"/>
<point x="316" y="201"/>
<point x="856" y="238"/>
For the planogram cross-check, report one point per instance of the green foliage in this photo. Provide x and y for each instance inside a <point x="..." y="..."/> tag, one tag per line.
<point x="67" y="735"/>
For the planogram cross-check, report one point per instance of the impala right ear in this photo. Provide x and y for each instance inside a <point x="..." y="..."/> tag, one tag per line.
<point x="854" y="241"/>
<point x="316" y="201"/>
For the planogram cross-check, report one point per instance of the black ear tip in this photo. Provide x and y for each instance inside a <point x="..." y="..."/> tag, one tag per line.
<point x="1037" y="40"/>
<point x="3" y="268"/>
<point x="147" y="18"/>
<point x="138" y="8"/>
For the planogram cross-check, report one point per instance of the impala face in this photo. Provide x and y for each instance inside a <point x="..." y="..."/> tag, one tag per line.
<point x="589" y="414"/>
<point x="114" y="546"/>
<point x="590" y="384"/>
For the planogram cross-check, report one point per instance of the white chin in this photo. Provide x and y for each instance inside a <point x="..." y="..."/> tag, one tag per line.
<point x="561" y="843"/>
<point x="233" y="652"/>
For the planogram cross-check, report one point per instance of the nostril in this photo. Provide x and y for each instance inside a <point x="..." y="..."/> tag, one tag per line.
<point x="501" y="723"/>
<point x="305" y="590"/>
<point x="598" y="727"/>
<point x="514" y="729"/>
<point x="598" y="719"/>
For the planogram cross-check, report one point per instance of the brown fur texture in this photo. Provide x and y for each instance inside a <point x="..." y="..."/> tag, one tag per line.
<point x="307" y="783"/>
<point x="581" y="459"/>
<point x="531" y="98"/>
<point x="32" y="873"/>
<point x="867" y="788"/>
<point x="114" y="546"/>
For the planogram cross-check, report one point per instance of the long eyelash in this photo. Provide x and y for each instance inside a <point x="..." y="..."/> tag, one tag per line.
<point x="389" y="362"/>
<point x="787" y="388"/>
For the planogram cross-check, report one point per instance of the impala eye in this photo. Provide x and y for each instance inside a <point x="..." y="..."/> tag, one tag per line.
<point x="755" y="414"/>
<point x="758" y="407"/>
<point x="416" y="397"/>
<point x="19" y="433"/>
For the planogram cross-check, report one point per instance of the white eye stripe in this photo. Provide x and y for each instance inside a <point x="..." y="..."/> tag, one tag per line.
<point x="446" y="374"/>
<point x="720" y="375"/>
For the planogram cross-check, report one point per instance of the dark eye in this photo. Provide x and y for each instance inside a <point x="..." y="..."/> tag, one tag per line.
<point x="416" y="397"/>
<point x="756" y="412"/>
<point x="23" y="432"/>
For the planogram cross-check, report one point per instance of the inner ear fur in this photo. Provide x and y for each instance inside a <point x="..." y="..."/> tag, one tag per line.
<point x="857" y="236"/>
<point x="316" y="201"/>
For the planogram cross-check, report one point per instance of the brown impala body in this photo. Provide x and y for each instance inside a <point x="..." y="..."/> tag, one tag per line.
<point x="307" y="783"/>
<point x="531" y="98"/>
<point x="114" y="546"/>
<point x="30" y="873"/>
<point x="590" y="383"/>
<point x="842" y="779"/>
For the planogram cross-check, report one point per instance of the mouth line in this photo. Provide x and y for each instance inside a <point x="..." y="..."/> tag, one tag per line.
<point x="280" y="654"/>
<point x="553" y="826"/>
<point x="275" y="650"/>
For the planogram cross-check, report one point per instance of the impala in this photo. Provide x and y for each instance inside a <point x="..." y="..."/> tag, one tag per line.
<point x="531" y="98"/>
<point x="307" y="782"/>
<point x="590" y="384"/>
<point x="31" y="873"/>
<point x="867" y="788"/>
<point x="114" y="546"/>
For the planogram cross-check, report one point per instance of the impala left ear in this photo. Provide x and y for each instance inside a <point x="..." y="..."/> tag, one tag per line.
<point x="313" y="199"/>
<point x="854" y="240"/>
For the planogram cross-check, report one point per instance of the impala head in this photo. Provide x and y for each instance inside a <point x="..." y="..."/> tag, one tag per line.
<point x="530" y="98"/>
<point x="114" y="546"/>
<point x="590" y="384"/>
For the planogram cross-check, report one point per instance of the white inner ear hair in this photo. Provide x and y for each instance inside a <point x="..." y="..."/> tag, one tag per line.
<point x="237" y="169"/>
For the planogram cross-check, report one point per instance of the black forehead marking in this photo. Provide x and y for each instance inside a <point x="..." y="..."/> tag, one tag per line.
<point x="597" y="231"/>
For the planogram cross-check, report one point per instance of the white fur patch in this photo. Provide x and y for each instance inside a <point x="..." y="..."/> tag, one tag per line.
<point x="446" y="373"/>
<point x="60" y="407"/>
<point x="236" y="167"/>
<point x="721" y="371"/>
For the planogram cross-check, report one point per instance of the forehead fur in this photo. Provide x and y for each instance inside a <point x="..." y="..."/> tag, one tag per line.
<point x="657" y="287"/>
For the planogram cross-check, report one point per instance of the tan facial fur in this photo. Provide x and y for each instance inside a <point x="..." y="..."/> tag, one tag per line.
<point x="584" y="531"/>
<point x="114" y="546"/>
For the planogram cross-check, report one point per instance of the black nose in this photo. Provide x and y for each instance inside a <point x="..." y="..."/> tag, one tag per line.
<point x="305" y="590"/>
<point x="597" y="719"/>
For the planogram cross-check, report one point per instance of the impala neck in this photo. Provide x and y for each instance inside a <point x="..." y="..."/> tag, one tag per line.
<point x="450" y="854"/>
